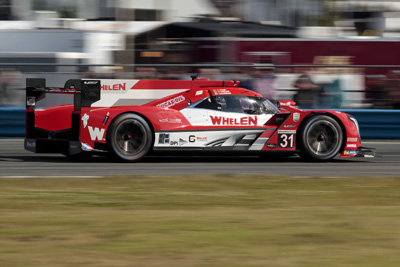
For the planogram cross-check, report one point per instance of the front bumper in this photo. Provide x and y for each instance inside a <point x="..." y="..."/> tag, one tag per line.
<point x="361" y="152"/>
<point x="366" y="152"/>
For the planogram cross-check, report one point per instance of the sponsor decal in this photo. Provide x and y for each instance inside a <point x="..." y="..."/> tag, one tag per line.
<point x="172" y="102"/>
<point x="192" y="139"/>
<point x="199" y="92"/>
<point x="244" y="121"/>
<point x="114" y="87"/>
<point x="182" y="142"/>
<point x="90" y="82"/>
<point x="271" y="145"/>
<point x="96" y="133"/>
<point x="175" y="121"/>
<point x="222" y="92"/>
<point x="296" y="117"/>
<point x="351" y="145"/>
<point x="289" y="126"/>
<point x="174" y="143"/>
<point x="350" y="152"/>
<point x="31" y="101"/>
<point x="85" y="119"/>
<point x="369" y="156"/>
<point x="170" y="120"/>
<point x="352" y="139"/>
<point x="279" y="119"/>
<point x="86" y="147"/>
<point x="201" y="138"/>
<point x="284" y="103"/>
<point x="163" y="138"/>
<point x="287" y="131"/>
<point x="31" y="144"/>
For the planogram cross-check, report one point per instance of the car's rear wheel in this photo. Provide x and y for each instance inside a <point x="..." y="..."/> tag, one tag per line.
<point x="321" y="138"/>
<point x="129" y="138"/>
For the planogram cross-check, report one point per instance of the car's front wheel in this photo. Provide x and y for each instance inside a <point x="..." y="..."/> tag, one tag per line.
<point x="321" y="138"/>
<point x="129" y="138"/>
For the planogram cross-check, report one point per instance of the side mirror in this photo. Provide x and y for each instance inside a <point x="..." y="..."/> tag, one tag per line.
<point x="210" y="98"/>
<point x="286" y="103"/>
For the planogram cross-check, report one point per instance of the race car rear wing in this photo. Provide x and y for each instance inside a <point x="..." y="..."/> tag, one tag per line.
<point x="85" y="92"/>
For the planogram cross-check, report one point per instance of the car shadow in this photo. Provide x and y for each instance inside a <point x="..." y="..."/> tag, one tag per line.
<point x="170" y="159"/>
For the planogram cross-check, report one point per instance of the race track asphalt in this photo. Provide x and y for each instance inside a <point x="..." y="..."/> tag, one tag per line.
<point x="16" y="162"/>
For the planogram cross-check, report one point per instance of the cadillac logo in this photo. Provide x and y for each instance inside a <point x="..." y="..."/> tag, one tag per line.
<point x="296" y="117"/>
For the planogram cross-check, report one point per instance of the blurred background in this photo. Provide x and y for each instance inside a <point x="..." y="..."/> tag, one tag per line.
<point x="320" y="53"/>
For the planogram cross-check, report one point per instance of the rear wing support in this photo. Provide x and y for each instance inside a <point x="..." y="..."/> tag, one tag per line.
<point x="85" y="92"/>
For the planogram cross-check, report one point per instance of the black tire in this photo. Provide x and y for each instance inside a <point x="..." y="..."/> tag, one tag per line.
<point x="129" y="138"/>
<point x="321" y="138"/>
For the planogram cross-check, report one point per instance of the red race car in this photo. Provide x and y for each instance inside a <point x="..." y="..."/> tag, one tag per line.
<point x="130" y="119"/>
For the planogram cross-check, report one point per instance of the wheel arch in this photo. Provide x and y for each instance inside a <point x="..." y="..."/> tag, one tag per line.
<point x="313" y="114"/>
<point x="138" y="114"/>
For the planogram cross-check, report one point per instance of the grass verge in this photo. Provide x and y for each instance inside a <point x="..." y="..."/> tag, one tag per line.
<point x="219" y="220"/>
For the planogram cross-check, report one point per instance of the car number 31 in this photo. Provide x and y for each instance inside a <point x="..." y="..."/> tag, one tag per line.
<point x="286" y="140"/>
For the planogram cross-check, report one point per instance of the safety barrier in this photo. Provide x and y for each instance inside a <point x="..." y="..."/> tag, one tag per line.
<point x="12" y="122"/>
<point x="377" y="124"/>
<point x="374" y="124"/>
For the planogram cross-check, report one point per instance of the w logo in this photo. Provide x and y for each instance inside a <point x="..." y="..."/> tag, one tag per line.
<point x="96" y="133"/>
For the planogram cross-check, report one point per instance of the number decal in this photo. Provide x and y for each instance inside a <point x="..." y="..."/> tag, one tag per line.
<point x="163" y="138"/>
<point x="286" y="140"/>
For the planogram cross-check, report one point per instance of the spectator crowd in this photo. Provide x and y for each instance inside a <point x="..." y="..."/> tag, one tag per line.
<point x="380" y="92"/>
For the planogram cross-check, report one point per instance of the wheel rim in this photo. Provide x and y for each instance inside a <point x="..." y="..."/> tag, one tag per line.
<point x="130" y="137"/>
<point x="322" y="138"/>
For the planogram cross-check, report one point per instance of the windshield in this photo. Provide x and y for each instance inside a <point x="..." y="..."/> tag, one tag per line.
<point x="270" y="107"/>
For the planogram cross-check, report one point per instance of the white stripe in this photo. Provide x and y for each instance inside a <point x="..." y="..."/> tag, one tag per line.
<point x="109" y="99"/>
<point x="259" y="144"/>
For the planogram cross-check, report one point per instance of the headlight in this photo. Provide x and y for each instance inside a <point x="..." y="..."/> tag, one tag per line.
<point x="354" y="120"/>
